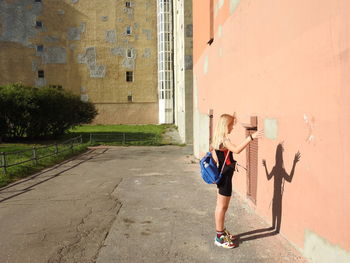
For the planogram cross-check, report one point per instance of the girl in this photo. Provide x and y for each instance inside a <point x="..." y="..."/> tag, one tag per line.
<point x="222" y="150"/>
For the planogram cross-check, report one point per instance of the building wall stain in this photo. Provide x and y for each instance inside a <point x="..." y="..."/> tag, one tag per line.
<point x="85" y="45"/>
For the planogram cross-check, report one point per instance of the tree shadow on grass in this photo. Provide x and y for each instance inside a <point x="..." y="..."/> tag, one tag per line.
<point x="120" y="138"/>
<point x="25" y="189"/>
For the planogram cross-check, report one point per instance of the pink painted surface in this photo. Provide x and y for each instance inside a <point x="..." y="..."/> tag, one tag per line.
<point x="287" y="60"/>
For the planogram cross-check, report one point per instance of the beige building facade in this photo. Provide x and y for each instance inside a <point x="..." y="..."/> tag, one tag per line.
<point x="104" y="51"/>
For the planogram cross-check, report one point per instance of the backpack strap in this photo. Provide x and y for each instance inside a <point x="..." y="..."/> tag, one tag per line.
<point x="217" y="158"/>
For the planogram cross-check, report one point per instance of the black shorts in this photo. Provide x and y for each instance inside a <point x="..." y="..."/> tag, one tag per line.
<point x="225" y="183"/>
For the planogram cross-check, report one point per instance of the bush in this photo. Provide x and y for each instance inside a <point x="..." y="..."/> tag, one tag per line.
<point x="40" y="112"/>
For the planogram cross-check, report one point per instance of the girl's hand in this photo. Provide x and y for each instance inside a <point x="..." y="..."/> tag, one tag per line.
<point x="297" y="157"/>
<point x="258" y="134"/>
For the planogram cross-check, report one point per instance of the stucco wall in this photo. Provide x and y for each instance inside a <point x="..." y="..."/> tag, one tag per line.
<point x="286" y="62"/>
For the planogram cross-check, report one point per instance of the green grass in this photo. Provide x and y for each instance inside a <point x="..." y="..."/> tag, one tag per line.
<point x="154" y="129"/>
<point x="23" y="170"/>
<point x="113" y="134"/>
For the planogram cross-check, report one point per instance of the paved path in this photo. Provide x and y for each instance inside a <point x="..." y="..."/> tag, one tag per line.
<point x="127" y="204"/>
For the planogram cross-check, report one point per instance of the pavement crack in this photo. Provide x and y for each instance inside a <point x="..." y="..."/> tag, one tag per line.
<point x="118" y="206"/>
<point x="91" y="230"/>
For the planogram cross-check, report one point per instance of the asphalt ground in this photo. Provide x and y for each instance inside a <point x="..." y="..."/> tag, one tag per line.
<point x="128" y="204"/>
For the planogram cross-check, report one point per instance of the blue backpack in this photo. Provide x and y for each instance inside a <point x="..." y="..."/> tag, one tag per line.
<point x="209" y="170"/>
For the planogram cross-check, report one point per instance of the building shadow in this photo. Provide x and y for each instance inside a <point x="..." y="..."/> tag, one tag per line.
<point x="279" y="174"/>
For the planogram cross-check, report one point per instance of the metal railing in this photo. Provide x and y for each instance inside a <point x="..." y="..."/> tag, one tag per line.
<point x="9" y="159"/>
<point x="123" y="138"/>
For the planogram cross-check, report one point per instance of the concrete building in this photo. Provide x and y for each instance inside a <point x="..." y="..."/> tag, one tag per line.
<point x="104" y="51"/>
<point x="183" y="69"/>
<point x="282" y="66"/>
<point x="165" y="60"/>
<point x="175" y="81"/>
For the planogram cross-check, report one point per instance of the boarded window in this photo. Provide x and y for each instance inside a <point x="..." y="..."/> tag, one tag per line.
<point x="252" y="162"/>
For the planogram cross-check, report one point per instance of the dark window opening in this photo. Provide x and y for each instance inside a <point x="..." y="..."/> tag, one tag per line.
<point x="129" y="53"/>
<point x="59" y="87"/>
<point x="128" y="30"/>
<point x="129" y="76"/>
<point x="40" y="48"/>
<point x="41" y="74"/>
<point x="129" y="98"/>
<point x="38" y="24"/>
<point x="128" y="4"/>
<point x="37" y="1"/>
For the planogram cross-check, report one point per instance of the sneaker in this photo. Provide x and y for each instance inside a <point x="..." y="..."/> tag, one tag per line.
<point x="224" y="241"/>
<point x="232" y="237"/>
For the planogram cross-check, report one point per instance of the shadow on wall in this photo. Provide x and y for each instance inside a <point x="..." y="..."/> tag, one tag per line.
<point x="280" y="175"/>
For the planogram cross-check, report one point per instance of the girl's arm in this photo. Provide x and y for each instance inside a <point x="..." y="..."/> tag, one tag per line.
<point x="237" y="149"/>
<point x="290" y="177"/>
<point x="268" y="175"/>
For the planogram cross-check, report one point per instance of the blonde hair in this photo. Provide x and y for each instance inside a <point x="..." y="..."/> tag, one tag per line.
<point x="221" y="129"/>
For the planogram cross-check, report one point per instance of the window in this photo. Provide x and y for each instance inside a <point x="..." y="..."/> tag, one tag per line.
<point x="40" y="48"/>
<point x="41" y="74"/>
<point x="127" y="4"/>
<point x="59" y="87"/>
<point x="129" y="76"/>
<point x="129" y="53"/>
<point x="38" y="24"/>
<point x="129" y="98"/>
<point x="37" y="1"/>
<point x="128" y="30"/>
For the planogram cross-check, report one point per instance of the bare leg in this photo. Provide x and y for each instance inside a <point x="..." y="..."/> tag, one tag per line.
<point x="222" y="203"/>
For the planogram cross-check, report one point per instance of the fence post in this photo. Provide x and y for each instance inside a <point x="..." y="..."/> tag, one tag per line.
<point x="81" y="139"/>
<point x="124" y="140"/>
<point x="90" y="138"/>
<point x="34" y="156"/>
<point x="56" y="148"/>
<point x="3" y="157"/>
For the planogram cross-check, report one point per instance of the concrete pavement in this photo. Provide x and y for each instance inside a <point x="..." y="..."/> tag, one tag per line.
<point x="127" y="204"/>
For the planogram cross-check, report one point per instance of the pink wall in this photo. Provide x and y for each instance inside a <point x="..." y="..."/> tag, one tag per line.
<point x="286" y="60"/>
